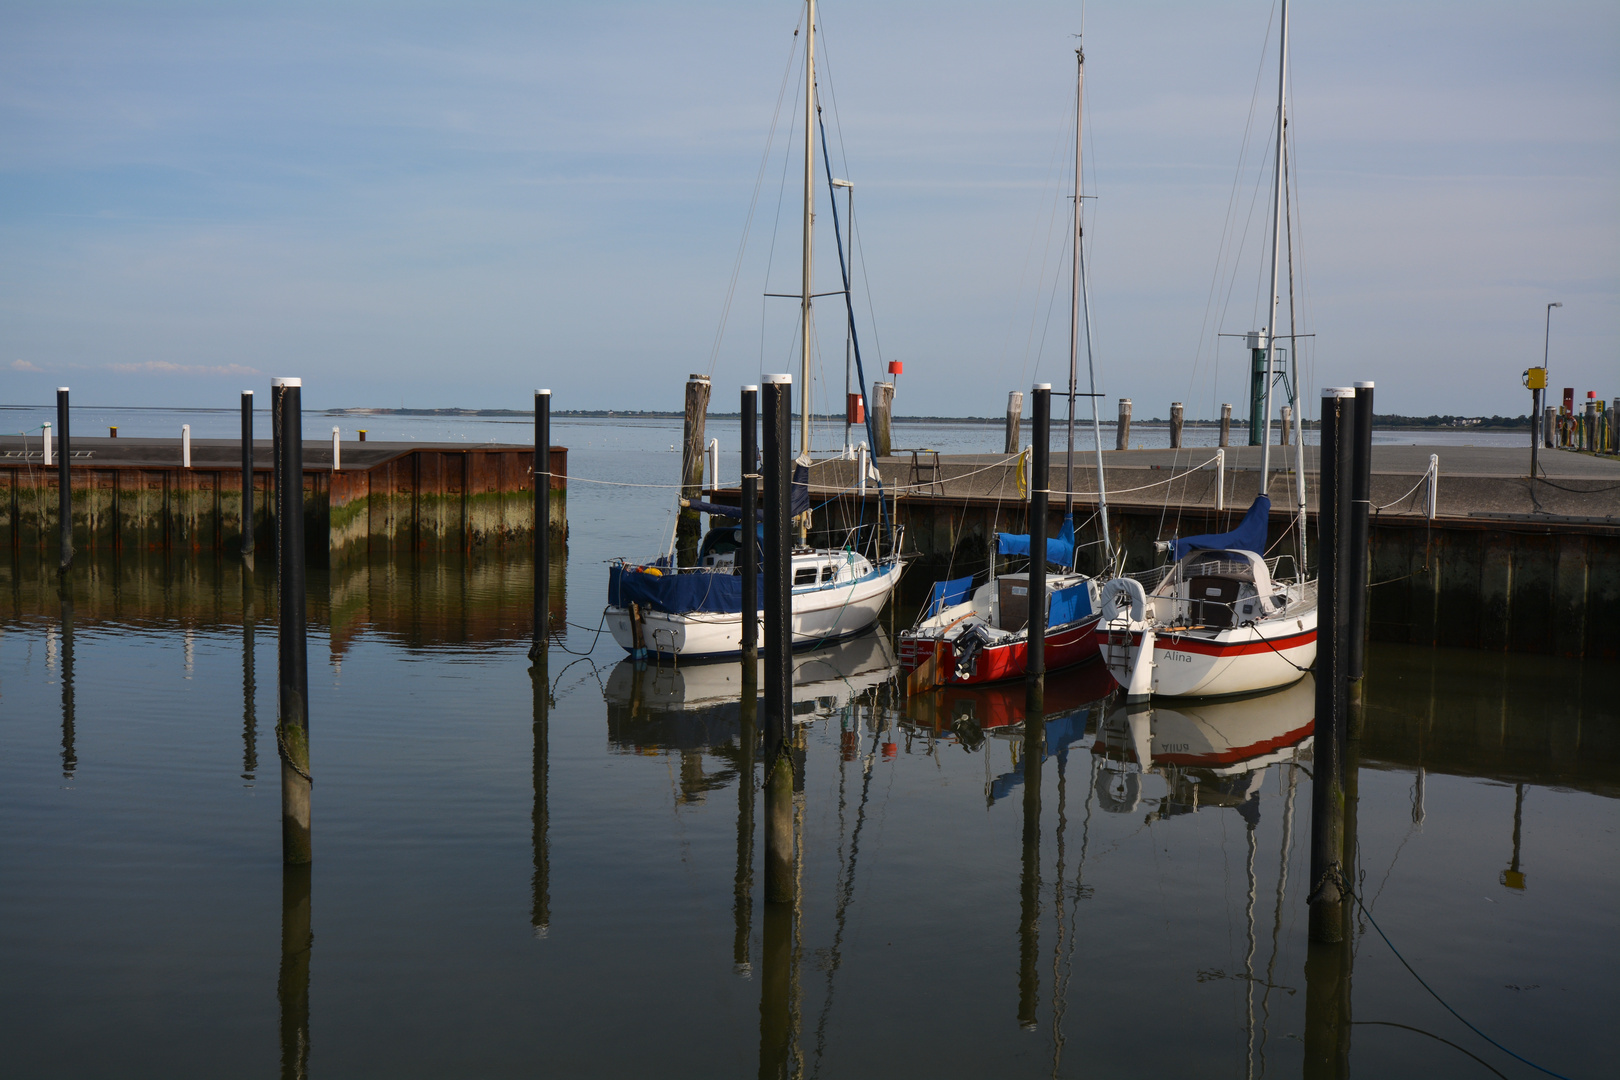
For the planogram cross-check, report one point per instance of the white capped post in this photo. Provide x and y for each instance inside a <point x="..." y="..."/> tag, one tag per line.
<point x="337" y="451"/>
<point x="1434" y="483"/>
<point x="47" y="442"/>
<point x="714" y="466"/>
<point x="1220" y="479"/>
<point x="185" y="446"/>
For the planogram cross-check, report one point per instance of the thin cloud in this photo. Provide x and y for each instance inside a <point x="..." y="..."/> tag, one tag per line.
<point x="24" y="365"/>
<point x="165" y="367"/>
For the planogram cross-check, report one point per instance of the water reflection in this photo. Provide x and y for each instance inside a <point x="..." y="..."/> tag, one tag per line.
<point x="292" y="981"/>
<point x="250" y="721"/>
<point x="540" y="906"/>
<point x="70" y="756"/>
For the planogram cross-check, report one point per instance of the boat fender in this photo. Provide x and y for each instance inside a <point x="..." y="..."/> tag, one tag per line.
<point x="1120" y="592"/>
<point x="1119" y="791"/>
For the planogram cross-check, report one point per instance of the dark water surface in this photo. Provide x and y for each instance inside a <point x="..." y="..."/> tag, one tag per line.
<point x="513" y="884"/>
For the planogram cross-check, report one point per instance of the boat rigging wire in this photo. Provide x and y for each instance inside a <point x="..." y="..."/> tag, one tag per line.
<point x="753" y="202"/>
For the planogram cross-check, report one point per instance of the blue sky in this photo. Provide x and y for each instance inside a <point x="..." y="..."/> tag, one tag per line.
<point x="448" y="205"/>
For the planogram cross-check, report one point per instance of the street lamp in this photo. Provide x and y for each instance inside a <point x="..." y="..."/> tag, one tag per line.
<point x="1547" y="338"/>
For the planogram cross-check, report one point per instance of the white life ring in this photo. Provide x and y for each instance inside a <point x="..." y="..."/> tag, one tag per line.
<point x="1120" y="592"/>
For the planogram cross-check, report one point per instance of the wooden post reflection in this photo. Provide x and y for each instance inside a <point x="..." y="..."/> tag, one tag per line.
<point x="1029" y="939"/>
<point x="540" y="911"/>
<point x="775" y="960"/>
<point x="250" y="719"/>
<point x="70" y="757"/>
<point x="1328" y="965"/>
<point x="743" y="896"/>
<point x="292" y="985"/>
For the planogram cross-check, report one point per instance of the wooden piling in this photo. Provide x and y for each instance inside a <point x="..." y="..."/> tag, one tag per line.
<point x="1287" y="412"/>
<point x="1327" y="795"/>
<point x="1360" y="515"/>
<point x="1015" y="420"/>
<point x="1226" y="425"/>
<point x="292" y="683"/>
<point x="749" y="523"/>
<point x="247" y="478"/>
<point x="542" y="531"/>
<point x="64" y="482"/>
<point x="778" y="711"/>
<point x="1176" y="414"/>
<point x="883" y="418"/>
<point x="688" y="527"/>
<point x="1122" y="434"/>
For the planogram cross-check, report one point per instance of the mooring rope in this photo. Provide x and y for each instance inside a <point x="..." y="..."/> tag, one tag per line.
<point x="1344" y="885"/>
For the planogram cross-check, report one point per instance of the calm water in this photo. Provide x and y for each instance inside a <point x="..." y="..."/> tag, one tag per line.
<point x="570" y="884"/>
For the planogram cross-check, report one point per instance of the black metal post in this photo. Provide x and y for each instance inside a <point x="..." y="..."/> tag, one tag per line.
<point x="1360" y="512"/>
<point x="292" y="684"/>
<point x="1535" y="431"/>
<point x="247" y="476"/>
<point x="778" y="712"/>
<point x="750" y="530"/>
<point x="542" y="526"/>
<point x="1327" y="795"/>
<point x="1040" y="475"/>
<point x="64" y="480"/>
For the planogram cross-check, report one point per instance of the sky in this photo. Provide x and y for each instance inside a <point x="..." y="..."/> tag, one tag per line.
<point x="449" y="205"/>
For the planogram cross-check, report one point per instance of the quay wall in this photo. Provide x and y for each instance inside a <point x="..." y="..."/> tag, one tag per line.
<point x="418" y="500"/>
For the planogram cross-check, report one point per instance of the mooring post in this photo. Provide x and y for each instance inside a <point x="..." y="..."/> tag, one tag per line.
<point x="1549" y="427"/>
<point x="1122" y="434"/>
<point x="1040" y="477"/>
<point x="688" y="527"/>
<point x="1327" y="794"/>
<point x="64" y="481"/>
<point x="1283" y="428"/>
<point x="45" y="446"/>
<point x="882" y="418"/>
<point x="292" y="982"/>
<point x="185" y="446"/>
<point x="542" y="527"/>
<point x="778" y="711"/>
<point x="247" y="478"/>
<point x="1226" y="425"/>
<point x="1034" y="710"/>
<point x="1176" y="414"/>
<point x="1220" y="478"/>
<point x="292" y="683"/>
<point x="337" y="451"/>
<point x="1015" y="420"/>
<point x="749" y="552"/>
<point x="1360" y="513"/>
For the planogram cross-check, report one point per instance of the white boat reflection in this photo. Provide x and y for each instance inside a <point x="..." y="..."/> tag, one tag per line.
<point x="824" y="681"/>
<point x="1209" y="753"/>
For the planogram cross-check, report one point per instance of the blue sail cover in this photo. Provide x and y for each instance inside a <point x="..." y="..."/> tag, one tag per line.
<point x="1250" y="535"/>
<point x="1068" y="605"/>
<point x="1059" y="550"/>
<point x="798" y="499"/>
<point x="948" y="594"/>
<point x="676" y="593"/>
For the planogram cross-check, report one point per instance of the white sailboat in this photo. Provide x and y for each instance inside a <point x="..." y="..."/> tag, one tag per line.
<point x="695" y="612"/>
<point x="1217" y="620"/>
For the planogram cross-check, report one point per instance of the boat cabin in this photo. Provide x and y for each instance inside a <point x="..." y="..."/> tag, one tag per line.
<point x="1218" y="590"/>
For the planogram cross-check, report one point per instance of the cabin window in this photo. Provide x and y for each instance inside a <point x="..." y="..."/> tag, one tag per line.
<point x="804" y="576"/>
<point x="828" y="573"/>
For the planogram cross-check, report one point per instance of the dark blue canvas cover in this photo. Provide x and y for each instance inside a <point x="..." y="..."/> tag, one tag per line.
<point x="676" y="593"/>
<point x="1068" y="605"/>
<point x="948" y="594"/>
<point x="798" y="499"/>
<point x="1250" y="535"/>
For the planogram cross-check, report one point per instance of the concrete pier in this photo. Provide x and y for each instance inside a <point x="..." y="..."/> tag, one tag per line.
<point x="1505" y="563"/>
<point x="389" y="498"/>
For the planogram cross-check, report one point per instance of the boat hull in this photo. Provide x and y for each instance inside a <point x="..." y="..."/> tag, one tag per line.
<point x="1066" y="646"/>
<point x="820" y="617"/>
<point x="1240" y="660"/>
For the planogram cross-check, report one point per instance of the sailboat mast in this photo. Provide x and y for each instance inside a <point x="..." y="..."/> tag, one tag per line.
<point x="1299" y="417"/>
<point x="809" y="201"/>
<point x="1074" y="280"/>
<point x="1085" y="310"/>
<point x="1276" y="251"/>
